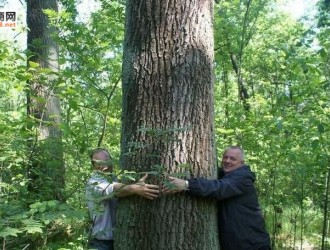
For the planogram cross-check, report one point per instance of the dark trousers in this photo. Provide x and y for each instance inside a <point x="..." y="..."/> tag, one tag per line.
<point x="100" y="244"/>
<point x="265" y="248"/>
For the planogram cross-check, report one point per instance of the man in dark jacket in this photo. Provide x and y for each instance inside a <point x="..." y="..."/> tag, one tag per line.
<point x="241" y="224"/>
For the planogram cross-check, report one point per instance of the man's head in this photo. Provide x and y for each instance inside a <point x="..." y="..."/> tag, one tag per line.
<point x="233" y="158"/>
<point x="101" y="160"/>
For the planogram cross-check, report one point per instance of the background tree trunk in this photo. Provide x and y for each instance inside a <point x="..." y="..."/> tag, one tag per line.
<point x="46" y="168"/>
<point x="168" y="118"/>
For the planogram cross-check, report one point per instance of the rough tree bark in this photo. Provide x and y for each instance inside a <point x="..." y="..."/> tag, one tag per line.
<point x="46" y="168"/>
<point x="168" y="115"/>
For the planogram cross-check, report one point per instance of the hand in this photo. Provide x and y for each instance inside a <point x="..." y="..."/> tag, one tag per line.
<point x="147" y="191"/>
<point x="142" y="180"/>
<point x="175" y="185"/>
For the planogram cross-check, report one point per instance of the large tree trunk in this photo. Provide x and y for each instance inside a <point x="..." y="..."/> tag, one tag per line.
<point x="46" y="168"/>
<point x="168" y="121"/>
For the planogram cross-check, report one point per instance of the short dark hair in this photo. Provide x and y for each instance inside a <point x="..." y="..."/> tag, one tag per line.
<point x="98" y="150"/>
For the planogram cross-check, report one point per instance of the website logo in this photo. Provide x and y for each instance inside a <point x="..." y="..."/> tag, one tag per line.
<point x="8" y="19"/>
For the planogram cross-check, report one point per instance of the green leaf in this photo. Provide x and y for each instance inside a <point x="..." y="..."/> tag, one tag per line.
<point x="46" y="70"/>
<point x="323" y="53"/>
<point x="33" y="229"/>
<point x="32" y="226"/>
<point x="320" y="128"/>
<point x="38" y="207"/>
<point x="52" y="203"/>
<point x="279" y="125"/>
<point x="225" y="131"/>
<point x="33" y="64"/>
<point x="315" y="143"/>
<point x="73" y="104"/>
<point x="9" y="231"/>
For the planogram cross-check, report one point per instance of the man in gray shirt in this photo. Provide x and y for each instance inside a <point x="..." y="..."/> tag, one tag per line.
<point x="101" y="194"/>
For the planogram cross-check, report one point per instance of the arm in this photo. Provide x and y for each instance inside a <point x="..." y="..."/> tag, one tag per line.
<point x="175" y="185"/>
<point x="215" y="189"/>
<point x="140" y="188"/>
